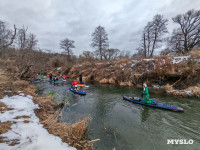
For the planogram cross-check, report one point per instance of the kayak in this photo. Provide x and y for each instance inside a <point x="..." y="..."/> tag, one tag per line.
<point x="77" y="92"/>
<point x="83" y="85"/>
<point x="56" y="82"/>
<point x="157" y="105"/>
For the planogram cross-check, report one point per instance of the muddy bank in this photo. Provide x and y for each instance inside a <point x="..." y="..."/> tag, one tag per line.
<point x="72" y="134"/>
<point x="178" y="72"/>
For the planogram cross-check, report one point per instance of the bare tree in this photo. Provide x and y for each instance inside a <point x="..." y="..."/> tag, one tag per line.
<point x="7" y="36"/>
<point x="125" y="54"/>
<point x="111" y="53"/>
<point x="187" y="36"/>
<point x="67" y="45"/>
<point x="153" y="35"/>
<point x="100" y="41"/>
<point x="86" y="56"/>
<point x="32" y="41"/>
<point x="22" y="38"/>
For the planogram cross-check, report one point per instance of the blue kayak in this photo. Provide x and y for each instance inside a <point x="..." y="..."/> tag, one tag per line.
<point x="77" y="92"/>
<point x="158" y="105"/>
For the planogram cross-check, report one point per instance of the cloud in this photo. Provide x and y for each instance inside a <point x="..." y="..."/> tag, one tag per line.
<point x="124" y="21"/>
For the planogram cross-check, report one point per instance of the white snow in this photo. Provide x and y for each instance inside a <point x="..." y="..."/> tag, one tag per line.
<point x="32" y="135"/>
<point x="59" y="68"/>
<point x="148" y="59"/>
<point x="7" y="91"/>
<point x="189" y="93"/>
<point x="177" y="60"/>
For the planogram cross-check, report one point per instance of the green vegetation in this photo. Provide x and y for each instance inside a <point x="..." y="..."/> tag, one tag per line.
<point x="52" y="94"/>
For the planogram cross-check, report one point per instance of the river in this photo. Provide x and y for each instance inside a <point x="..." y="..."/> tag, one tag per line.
<point x="122" y="125"/>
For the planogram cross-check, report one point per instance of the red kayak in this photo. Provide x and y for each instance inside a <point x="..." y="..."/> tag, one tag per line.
<point x="83" y="85"/>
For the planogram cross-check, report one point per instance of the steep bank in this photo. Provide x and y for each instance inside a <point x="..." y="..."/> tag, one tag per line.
<point x="179" y="72"/>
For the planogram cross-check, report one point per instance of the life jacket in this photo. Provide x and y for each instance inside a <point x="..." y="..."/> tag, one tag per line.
<point x="74" y="83"/>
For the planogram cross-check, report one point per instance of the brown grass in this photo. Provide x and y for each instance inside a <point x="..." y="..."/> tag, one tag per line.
<point x="4" y="127"/>
<point x="195" y="53"/>
<point x="168" y="87"/>
<point x="19" y="117"/>
<point x="195" y="90"/>
<point x="163" y="65"/>
<point x="21" y="84"/>
<point x="3" y="107"/>
<point x="71" y="134"/>
<point x="26" y="121"/>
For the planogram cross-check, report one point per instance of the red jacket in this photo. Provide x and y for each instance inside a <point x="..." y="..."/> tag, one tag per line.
<point x="74" y="83"/>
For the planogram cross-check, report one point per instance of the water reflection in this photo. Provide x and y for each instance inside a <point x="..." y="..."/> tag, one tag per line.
<point x="145" y="114"/>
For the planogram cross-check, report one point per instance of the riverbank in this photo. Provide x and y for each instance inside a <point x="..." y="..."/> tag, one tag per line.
<point x="181" y="73"/>
<point x="47" y="111"/>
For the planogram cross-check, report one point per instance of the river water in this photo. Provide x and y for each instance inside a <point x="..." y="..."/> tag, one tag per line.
<point x="122" y="125"/>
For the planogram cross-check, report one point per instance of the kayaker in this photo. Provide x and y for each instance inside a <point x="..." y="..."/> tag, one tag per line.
<point x="34" y="79"/>
<point x="55" y="79"/>
<point x="75" y="85"/>
<point x="50" y="77"/>
<point x="145" y="93"/>
<point x="80" y="79"/>
<point x="64" y="77"/>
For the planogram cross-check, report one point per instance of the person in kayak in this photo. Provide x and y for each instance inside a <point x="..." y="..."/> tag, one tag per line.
<point x="55" y="79"/>
<point x="64" y="78"/>
<point x="145" y="94"/>
<point x="50" y="77"/>
<point x="75" y="85"/>
<point x="34" y="78"/>
<point x="80" y="79"/>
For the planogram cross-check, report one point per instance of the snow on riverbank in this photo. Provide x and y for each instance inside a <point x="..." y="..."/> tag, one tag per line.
<point x="31" y="135"/>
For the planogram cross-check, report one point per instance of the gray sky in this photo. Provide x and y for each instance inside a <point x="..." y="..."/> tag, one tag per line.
<point x="124" y="20"/>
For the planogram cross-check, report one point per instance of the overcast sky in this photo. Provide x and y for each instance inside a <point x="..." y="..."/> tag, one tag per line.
<point x="124" y="20"/>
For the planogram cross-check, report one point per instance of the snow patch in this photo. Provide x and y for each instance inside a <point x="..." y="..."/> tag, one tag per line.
<point x="5" y="91"/>
<point x="176" y="60"/>
<point x="59" y="68"/>
<point x="32" y="135"/>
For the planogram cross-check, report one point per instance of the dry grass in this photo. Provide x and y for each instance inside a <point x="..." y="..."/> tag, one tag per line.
<point x="104" y="81"/>
<point x="163" y="66"/>
<point x="71" y="134"/>
<point x="195" y="53"/>
<point x="26" y="121"/>
<point x="21" y="84"/>
<point x="195" y="90"/>
<point x="4" y="127"/>
<point x="168" y="87"/>
<point x="19" y="117"/>
<point x="3" y="107"/>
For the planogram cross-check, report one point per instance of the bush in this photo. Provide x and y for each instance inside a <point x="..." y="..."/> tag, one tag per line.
<point x="57" y="61"/>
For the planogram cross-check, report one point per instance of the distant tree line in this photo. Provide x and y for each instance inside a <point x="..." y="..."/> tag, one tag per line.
<point x="154" y="37"/>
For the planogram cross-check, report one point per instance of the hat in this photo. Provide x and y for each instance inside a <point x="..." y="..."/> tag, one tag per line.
<point x="145" y="85"/>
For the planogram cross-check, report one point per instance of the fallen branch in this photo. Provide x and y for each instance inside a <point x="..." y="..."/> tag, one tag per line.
<point x="94" y="140"/>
